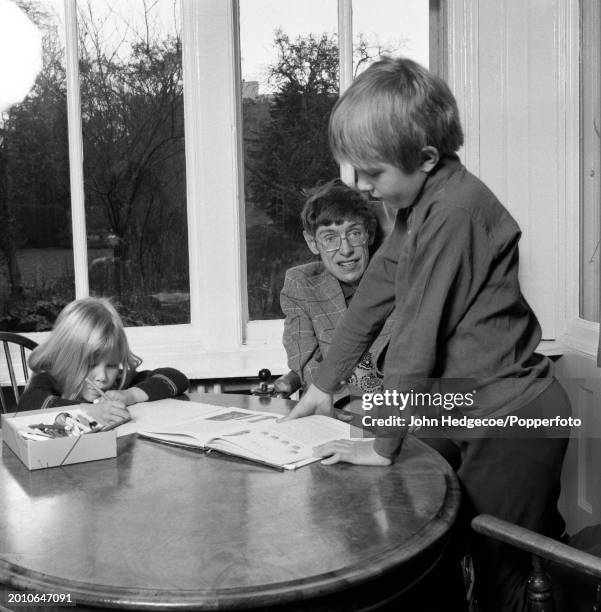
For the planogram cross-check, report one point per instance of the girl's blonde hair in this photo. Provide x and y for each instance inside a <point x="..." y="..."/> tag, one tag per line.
<point x="86" y="332"/>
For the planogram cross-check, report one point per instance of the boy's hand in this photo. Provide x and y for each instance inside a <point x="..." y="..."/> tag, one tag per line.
<point x="359" y="452"/>
<point x="129" y="396"/>
<point x="313" y="401"/>
<point x="107" y="413"/>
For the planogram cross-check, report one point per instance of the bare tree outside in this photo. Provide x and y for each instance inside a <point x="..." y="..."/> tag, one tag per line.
<point x="131" y="81"/>
<point x="287" y="154"/>
<point x="134" y="171"/>
<point x="35" y="240"/>
<point x="134" y="166"/>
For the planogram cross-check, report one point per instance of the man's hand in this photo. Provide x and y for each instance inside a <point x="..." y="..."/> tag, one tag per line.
<point x="313" y="401"/>
<point x="359" y="452"/>
<point x="130" y="396"/>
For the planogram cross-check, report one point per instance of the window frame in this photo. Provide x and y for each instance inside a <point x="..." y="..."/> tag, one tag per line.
<point x="220" y="341"/>
<point x="210" y="345"/>
<point x="576" y="333"/>
<point x="590" y="24"/>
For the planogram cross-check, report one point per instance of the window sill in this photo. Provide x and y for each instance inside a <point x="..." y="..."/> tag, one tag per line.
<point x="551" y="348"/>
<point x="197" y="363"/>
<point x="173" y="347"/>
<point x="581" y="336"/>
<point x="264" y="350"/>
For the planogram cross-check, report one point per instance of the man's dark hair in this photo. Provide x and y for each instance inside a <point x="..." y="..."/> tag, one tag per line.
<point x="334" y="203"/>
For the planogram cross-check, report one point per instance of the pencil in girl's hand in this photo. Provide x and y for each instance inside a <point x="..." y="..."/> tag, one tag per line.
<point x="97" y="388"/>
<point x="108" y="399"/>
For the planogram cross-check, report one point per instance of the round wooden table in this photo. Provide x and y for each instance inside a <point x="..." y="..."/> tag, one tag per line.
<point x="166" y="528"/>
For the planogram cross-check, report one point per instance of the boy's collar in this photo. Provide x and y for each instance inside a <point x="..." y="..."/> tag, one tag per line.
<point x="447" y="165"/>
<point x="446" y="162"/>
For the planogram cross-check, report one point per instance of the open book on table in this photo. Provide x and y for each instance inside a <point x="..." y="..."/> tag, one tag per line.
<point x="255" y="435"/>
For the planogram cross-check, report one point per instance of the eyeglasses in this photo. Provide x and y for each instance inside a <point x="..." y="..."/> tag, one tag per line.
<point x="332" y="242"/>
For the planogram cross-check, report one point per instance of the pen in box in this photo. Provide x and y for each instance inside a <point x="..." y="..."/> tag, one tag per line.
<point x="84" y="420"/>
<point x="38" y="430"/>
<point x="29" y="435"/>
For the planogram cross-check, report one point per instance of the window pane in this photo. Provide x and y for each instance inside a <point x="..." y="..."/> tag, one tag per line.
<point x="589" y="137"/>
<point x="36" y="254"/>
<point x="390" y="27"/>
<point x="130" y="58"/>
<point x="290" y="83"/>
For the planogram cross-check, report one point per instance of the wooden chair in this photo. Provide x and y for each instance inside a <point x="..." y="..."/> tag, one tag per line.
<point x="576" y="574"/>
<point x="8" y="339"/>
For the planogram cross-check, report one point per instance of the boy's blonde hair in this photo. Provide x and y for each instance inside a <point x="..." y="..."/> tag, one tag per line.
<point x="86" y="332"/>
<point x="390" y="113"/>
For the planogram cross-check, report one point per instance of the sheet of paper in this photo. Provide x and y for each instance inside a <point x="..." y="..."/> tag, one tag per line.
<point x="155" y="415"/>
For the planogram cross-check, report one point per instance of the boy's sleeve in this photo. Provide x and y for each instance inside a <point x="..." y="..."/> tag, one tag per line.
<point x="370" y="307"/>
<point x="447" y="267"/>
<point x="302" y="348"/>
<point x="160" y="383"/>
<point x="41" y="393"/>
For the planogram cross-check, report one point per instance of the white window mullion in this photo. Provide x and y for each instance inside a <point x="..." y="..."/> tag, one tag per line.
<point x="78" y="213"/>
<point x="238" y="170"/>
<point x="345" y="50"/>
<point x="192" y="152"/>
<point x="213" y="171"/>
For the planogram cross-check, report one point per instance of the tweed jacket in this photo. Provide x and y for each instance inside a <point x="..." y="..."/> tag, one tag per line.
<point x="313" y="303"/>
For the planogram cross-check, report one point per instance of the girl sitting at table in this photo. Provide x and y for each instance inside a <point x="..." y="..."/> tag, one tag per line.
<point x="87" y="359"/>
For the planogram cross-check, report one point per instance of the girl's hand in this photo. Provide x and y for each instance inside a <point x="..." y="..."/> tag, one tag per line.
<point x="107" y="413"/>
<point x="313" y="401"/>
<point x="129" y="396"/>
<point x="359" y="452"/>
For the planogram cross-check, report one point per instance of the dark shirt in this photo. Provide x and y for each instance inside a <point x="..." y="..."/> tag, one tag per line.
<point x="42" y="391"/>
<point x="348" y="291"/>
<point x="450" y="267"/>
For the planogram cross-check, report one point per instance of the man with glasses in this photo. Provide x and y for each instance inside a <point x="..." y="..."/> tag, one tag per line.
<point x="340" y="228"/>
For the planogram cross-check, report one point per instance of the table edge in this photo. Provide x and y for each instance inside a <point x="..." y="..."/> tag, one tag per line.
<point x="370" y="568"/>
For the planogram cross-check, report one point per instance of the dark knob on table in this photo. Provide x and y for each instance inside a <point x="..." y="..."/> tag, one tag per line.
<point x="264" y="387"/>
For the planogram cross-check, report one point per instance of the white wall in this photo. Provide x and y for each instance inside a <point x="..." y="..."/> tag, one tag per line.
<point x="509" y="62"/>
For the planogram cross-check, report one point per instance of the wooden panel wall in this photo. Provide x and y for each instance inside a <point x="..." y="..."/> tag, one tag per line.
<point x="508" y="66"/>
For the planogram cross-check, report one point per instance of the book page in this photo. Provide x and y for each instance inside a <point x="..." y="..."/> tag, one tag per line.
<point x="314" y="430"/>
<point x="219" y="421"/>
<point x="287" y="444"/>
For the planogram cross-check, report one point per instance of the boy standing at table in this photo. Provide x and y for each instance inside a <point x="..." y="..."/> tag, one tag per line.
<point x="450" y="269"/>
